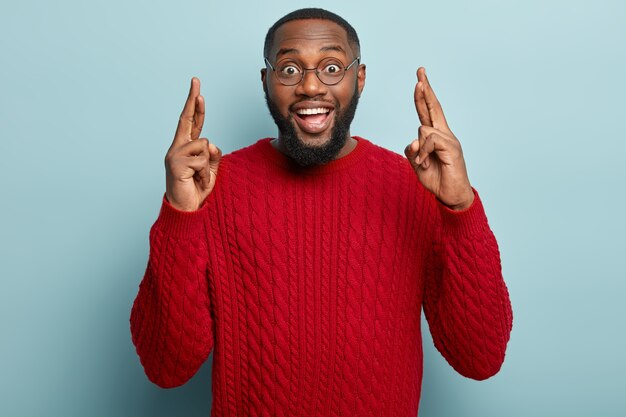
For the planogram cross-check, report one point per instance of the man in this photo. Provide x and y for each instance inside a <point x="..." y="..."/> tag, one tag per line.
<point x="304" y="260"/>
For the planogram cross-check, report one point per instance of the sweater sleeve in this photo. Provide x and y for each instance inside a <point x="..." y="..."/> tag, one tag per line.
<point x="466" y="302"/>
<point x="170" y="321"/>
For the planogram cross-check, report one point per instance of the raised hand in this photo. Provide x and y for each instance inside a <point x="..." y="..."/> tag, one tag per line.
<point x="191" y="162"/>
<point x="436" y="156"/>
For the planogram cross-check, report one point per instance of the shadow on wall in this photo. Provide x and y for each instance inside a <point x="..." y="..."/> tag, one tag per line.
<point x="139" y="397"/>
<point x="190" y="400"/>
<point x="126" y="390"/>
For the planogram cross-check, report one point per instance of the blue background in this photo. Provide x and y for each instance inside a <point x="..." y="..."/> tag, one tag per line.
<point x="90" y="93"/>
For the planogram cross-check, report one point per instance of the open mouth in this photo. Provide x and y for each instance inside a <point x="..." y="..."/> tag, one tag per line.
<point x="313" y="120"/>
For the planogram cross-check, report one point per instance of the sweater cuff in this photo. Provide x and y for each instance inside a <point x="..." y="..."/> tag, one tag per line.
<point x="464" y="222"/>
<point x="178" y="223"/>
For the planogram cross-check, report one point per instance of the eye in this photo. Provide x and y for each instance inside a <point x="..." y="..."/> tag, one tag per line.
<point x="332" y="68"/>
<point x="289" y="70"/>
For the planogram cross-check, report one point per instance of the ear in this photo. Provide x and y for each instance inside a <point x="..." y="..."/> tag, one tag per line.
<point x="361" y="78"/>
<point x="264" y="79"/>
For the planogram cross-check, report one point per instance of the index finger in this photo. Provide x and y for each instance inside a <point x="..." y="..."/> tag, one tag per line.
<point x="434" y="107"/>
<point x="185" y="128"/>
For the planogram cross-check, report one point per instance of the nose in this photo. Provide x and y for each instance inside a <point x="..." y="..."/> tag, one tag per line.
<point x="310" y="85"/>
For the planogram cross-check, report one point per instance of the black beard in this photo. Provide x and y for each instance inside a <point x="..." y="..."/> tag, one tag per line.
<point x="304" y="155"/>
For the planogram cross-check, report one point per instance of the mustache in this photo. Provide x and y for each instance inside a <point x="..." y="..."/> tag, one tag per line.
<point x="314" y="100"/>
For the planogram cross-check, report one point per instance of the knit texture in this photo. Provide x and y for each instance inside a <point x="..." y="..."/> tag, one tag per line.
<point x="309" y="285"/>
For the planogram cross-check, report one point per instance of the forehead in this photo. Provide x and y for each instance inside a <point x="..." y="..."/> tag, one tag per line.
<point x="310" y="36"/>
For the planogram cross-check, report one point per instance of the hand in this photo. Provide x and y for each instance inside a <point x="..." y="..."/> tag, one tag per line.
<point x="191" y="163"/>
<point x="436" y="155"/>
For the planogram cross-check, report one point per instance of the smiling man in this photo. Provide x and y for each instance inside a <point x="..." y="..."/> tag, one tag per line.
<point x="304" y="261"/>
<point x="314" y="115"/>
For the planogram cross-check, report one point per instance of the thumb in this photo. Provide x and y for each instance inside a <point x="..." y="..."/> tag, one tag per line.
<point x="411" y="151"/>
<point x="215" y="156"/>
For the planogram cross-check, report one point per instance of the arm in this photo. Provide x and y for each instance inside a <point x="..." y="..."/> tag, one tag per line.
<point x="170" y="322"/>
<point x="466" y="301"/>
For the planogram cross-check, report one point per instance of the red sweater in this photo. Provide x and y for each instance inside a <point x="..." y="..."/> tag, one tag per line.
<point x="309" y="284"/>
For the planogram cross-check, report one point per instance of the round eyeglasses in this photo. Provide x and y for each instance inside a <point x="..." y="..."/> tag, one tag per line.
<point x="329" y="71"/>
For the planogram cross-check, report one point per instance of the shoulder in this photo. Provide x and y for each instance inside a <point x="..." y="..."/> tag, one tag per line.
<point x="236" y="171"/>
<point x="396" y="172"/>
<point x="386" y="159"/>
<point x="248" y="158"/>
<point x="249" y="153"/>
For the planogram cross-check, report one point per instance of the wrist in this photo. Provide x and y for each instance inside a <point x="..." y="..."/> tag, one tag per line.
<point x="174" y="204"/>
<point x="464" y="204"/>
<point x="180" y="223"/>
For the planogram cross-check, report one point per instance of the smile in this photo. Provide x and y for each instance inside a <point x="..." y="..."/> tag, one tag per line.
<point x="313" y="120"/>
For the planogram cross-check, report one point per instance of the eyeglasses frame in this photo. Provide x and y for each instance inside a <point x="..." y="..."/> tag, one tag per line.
<point x="304" y="70"/>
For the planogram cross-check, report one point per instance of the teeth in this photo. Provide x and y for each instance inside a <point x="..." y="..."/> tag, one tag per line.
<point x="313" y="111"/>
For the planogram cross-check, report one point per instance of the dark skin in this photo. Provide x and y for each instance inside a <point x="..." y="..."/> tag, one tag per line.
<point x="436" y="155"/>
<point x="192" y="162"/>
<point x="308" y="42"/>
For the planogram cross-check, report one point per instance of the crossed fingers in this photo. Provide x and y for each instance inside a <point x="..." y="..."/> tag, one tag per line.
<point x="192" y="117"/>
<point x="434" y="133"/>
<point x="428" y="107"/>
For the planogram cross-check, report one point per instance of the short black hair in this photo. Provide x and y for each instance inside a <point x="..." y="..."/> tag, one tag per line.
<point x="312" y="13"/>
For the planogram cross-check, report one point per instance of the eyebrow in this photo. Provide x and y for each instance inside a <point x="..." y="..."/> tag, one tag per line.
<point x="285" y="51"/>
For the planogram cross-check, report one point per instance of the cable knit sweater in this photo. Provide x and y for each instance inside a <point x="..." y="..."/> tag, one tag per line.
<point x="309" y="284"/>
